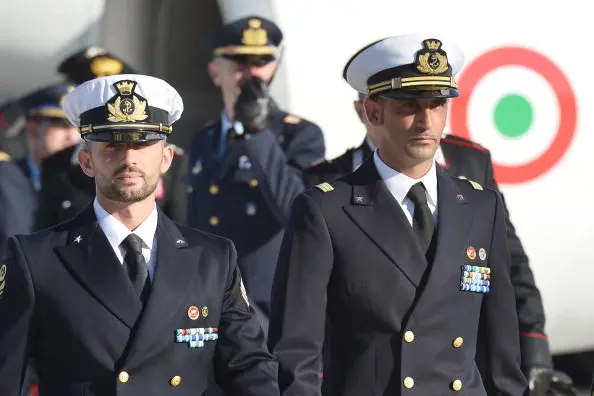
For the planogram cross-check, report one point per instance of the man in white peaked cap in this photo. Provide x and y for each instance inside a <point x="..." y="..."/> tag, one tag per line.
<point x="407" y="267"/>
<point x="120" y="300"/>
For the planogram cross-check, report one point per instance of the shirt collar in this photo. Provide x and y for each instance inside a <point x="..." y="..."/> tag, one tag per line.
<point x="370" y="144"/>
<point x="399" y="184"/>
<point x="35" y="173"/>
<point x="226" y="123"/>
<point x="116" y="232"/>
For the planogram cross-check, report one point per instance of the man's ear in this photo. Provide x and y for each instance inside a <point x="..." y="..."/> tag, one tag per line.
<point x="213" y="72"/>
<point x="84" y="160"/>
<point x="168" y="154"/>
<point x="373" y="111"/>
<point x="358" y="105"/>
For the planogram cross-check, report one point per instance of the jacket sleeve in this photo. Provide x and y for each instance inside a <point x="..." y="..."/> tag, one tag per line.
<point x="500" y="318"/>
<point x="529" y="306"/>
<point x="299" y="298"/>
<point x="16" y="312"/>
<point x="282" y="170"/>
<point x="243" y="365"/>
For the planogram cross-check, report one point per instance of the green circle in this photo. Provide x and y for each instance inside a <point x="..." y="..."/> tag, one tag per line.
<point x="513" y="115"/>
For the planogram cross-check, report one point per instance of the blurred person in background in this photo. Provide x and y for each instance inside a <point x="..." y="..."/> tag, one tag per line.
<point x="68" y="190"/>
<point x="246" y="167"/>
<point x="47" y="131"/>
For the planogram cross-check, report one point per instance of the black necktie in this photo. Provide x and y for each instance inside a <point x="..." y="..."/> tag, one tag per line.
<point x="136" y="265"/>
<point x="422" y="218"/>
<point x="230" y="138"/>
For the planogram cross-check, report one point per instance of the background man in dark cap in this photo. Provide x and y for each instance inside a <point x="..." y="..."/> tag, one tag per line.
<point x="121" y="300"/>
<point x="47" y="131"/>
<point x="67" y="189"/>
<point x="245" y="168"/>
<point x="464" y="158"/>
<point x="407" y="264"/>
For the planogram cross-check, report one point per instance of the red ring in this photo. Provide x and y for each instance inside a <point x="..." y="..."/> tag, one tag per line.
<point x="533" y="60"/>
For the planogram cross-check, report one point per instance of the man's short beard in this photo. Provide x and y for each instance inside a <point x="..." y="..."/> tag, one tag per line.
<point x="117" y="194"/>
<point x="114" y="193"/>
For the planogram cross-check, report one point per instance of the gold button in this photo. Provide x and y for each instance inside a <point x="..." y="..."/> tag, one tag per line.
<point x="214" y="220"/>
<point x="214" y="189"/>
<point x="190" y="189"/>
<point x="409" y="382"/>
<point x="254" y="183"/>
<point x="457" y="385"/>
<point x="409" y="336"/>
<point x="124" y="377"/>
<point x="175" y="381"/>
<point x="457" y="343"/>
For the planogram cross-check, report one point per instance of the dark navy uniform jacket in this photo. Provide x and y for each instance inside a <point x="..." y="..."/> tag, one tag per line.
<point x="18" y="199"/>
<point x="246" y="195"/>
<point x="67" y="302"/>
<point x="400" y="322"/>
<point x="468" y="159"/>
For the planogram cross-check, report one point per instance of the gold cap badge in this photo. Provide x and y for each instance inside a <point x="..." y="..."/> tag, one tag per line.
<point x="127" y="107"/>
<point x="432" y="59"/>
<point x="255" y="34"/>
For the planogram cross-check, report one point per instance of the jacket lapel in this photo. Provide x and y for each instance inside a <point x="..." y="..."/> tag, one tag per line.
<point x="174" y="278"/>
<point x="92" y="261"/>
<point x="376" y="212"/>
<point x="456" y="218"/>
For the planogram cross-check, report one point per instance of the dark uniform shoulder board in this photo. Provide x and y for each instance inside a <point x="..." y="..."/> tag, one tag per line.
<point x="4" y="156"/>
<point x="291" y="119"/>
<point x="325" y="187"/>
<point x="177" y="150"/>
<point x="243" y="292"/>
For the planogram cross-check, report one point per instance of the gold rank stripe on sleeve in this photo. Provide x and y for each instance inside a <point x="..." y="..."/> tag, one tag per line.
<point x="325" y="187"/>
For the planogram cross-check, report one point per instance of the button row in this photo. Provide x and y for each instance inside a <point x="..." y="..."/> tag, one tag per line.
<point x="124" y="377"/>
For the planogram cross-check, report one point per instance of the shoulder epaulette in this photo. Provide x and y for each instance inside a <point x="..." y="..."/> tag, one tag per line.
<point x="291" y="119"/>
<point x="325" y="187"/>
<point x="4" y="156"/>
<point x="177" y="150"/>
<point x="475" y="185"/>
<point x="458" y="141"/>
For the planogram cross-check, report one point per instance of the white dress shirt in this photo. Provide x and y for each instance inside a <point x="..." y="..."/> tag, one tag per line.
<point x="116" y="232"/>
<point x="399" y="185"/>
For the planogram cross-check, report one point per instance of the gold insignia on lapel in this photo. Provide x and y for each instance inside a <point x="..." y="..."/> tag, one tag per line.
<point x="127" y="107"/>
<point x="4" y="156"/>
<point x="2" y="278"/>
<point x="475" y="185"/>
<point x="243" y="292"/>
<point x="432" y="59"/>
<point x="291" y="119"/>
<point x="205" y="311"/>
<point x="325" y="187"/>
<point x="255" y="34"/>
